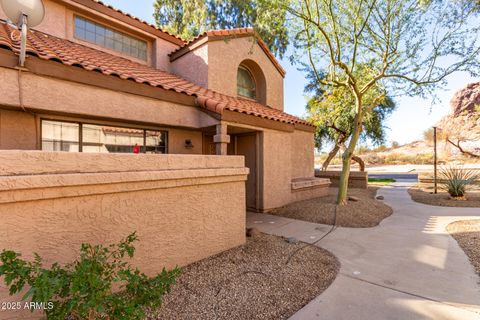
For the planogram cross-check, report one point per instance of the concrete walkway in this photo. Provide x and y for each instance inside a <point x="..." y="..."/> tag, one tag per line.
<point x="408" y="267"/>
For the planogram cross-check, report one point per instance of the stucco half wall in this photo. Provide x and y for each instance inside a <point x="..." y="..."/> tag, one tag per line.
<point x="288" y="169"/>
<point x="183" y="207"/>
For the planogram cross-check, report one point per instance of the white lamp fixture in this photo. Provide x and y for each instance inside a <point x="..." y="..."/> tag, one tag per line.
<point x="26" y="14"/>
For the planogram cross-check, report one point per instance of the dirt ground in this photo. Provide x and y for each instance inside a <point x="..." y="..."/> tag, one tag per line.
<point x="252" y="281"/>
<point x="467" y="234"/>
<point x="424" y="194"/>
<point x="367" y="212"/>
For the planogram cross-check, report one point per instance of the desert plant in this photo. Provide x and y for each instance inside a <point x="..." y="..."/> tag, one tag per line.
<point x="428" y="135"/>
<point x="457" y="179"/>
<point x="99" y="285"/>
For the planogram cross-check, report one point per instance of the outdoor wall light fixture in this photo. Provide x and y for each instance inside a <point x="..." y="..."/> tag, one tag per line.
<point x="24" y="14"/>
<point x="188" y="144"/>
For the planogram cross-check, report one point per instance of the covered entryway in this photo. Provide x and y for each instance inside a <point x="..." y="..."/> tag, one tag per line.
<point x="244" y="142"/>
<point x="246" y="145"/>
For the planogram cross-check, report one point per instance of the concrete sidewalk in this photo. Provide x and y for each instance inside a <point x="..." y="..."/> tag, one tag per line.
<point x="408" y="267"/>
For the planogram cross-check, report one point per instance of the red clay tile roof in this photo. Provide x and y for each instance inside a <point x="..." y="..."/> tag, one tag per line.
<point x="238" y="32"/>
<point x="48" y="47"/>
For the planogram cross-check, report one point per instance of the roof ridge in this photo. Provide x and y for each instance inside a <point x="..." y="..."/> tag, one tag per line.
<point x="231" y="32"/>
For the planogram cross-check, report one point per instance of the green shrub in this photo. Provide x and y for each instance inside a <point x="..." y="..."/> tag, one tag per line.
<point x="457" y="180"/>
<point x="99" y="285"/>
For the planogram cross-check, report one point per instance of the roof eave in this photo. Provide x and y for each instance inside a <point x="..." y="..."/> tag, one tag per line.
<point x="207" y="37"/>
<point x="127" y="18"/>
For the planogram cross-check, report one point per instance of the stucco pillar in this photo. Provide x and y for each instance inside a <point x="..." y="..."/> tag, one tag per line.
<point x="221" y="139"/>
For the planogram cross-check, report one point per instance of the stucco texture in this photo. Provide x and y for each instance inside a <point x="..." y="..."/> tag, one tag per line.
<point x="357" y="179"/>
<point x="215" y="61"/>
<point x="193" y="66"/>
<point x="89" y="101"/>
<point x="184" y="208"/>
<point x="287" y="156"/>
<point x="177" y="139"/>
<point x="17" y="130"/>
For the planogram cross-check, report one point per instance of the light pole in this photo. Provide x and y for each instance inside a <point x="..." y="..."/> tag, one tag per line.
<point x="435" y="159"/>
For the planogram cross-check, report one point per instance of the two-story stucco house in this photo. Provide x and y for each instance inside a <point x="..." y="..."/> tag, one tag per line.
<point x="99" y="80"/>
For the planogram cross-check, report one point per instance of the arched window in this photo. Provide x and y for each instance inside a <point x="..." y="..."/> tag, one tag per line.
<point x="246" y="86"/>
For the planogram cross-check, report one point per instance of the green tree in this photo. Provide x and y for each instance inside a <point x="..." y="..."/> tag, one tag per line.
<point x="189" y="18"/>
<point x="331" y="111"/>
<point x="406" y="47"/>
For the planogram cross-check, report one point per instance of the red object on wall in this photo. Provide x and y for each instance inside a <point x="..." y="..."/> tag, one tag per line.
<point x="136" y="148"/>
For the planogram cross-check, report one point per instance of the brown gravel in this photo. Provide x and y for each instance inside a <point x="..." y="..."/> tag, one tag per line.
<point x="424" y="194"/>
<point x="251" y="282"/>
<point x="367" y="212"/>
<point x="467" y="234"/>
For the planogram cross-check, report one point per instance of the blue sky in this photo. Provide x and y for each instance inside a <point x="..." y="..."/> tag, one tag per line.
<point x="412" y="117"/>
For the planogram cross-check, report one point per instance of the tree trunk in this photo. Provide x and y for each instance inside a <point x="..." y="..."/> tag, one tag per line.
<point x="360" y="162"/>
<point x="339" y="143"/>
<point x="348" y="154"/>
<point x="330" y="157"/>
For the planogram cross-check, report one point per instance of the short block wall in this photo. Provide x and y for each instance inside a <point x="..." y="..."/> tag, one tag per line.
<point x="183" y="207"/>
<point x="428" y="178"/>
<point x="357" y="179"/>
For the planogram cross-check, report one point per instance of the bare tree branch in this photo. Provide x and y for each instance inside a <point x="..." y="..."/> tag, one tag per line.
<point x="463" y="151"/>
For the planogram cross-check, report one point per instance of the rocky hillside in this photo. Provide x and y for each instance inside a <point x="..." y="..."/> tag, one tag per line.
<point x="466" y="100"/>
<point x="462" y="125"/>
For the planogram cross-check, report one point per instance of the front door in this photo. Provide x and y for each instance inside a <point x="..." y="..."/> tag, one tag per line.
<point x="246" y="145"/>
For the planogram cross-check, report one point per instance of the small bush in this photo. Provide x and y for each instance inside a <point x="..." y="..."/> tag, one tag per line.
<point x="428" y="135"/>
<point x="362" y="150"/>
<point x="400" y="158"/>
<point x="381" y="148"/>
<point x="457" y="180"/>
<point x="84" y="289"/>
<point x="395" y="144"/>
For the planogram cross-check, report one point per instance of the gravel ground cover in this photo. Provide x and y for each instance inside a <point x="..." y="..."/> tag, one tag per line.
<point x="467" y="234"/>
<point x="252" y="281"/>
<point x="364" y="213"/>
<point x="425" y="195"/>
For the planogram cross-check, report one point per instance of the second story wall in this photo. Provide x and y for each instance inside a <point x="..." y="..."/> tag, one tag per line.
<point x="225" y="56"/>
<point x="60" y="22"/>
<point x="214" y="64"/>
<point x="193" y="66"/>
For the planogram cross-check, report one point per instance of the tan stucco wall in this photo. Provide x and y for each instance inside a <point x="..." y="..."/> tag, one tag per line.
<point x="224" y="57"/>
<point x="193" y="66"/>
<point x="162" y="50"/>
<point x="276" y="166"/>
<point x="59" y="22"/>
<point x="89" y="101"/>
<point x="184" y="208"/>
<point x="214" y="65"/>
<point x="302" y="146"/>
<point x="17" y="130"/>
<point x="176" y="141"/>
<point x="287" y="156"/>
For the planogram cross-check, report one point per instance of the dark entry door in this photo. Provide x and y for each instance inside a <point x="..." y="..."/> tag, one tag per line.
<point x="246" y="146"/>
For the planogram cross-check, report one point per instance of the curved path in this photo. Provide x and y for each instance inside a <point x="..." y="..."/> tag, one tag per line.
<point x="408" y="267"/>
